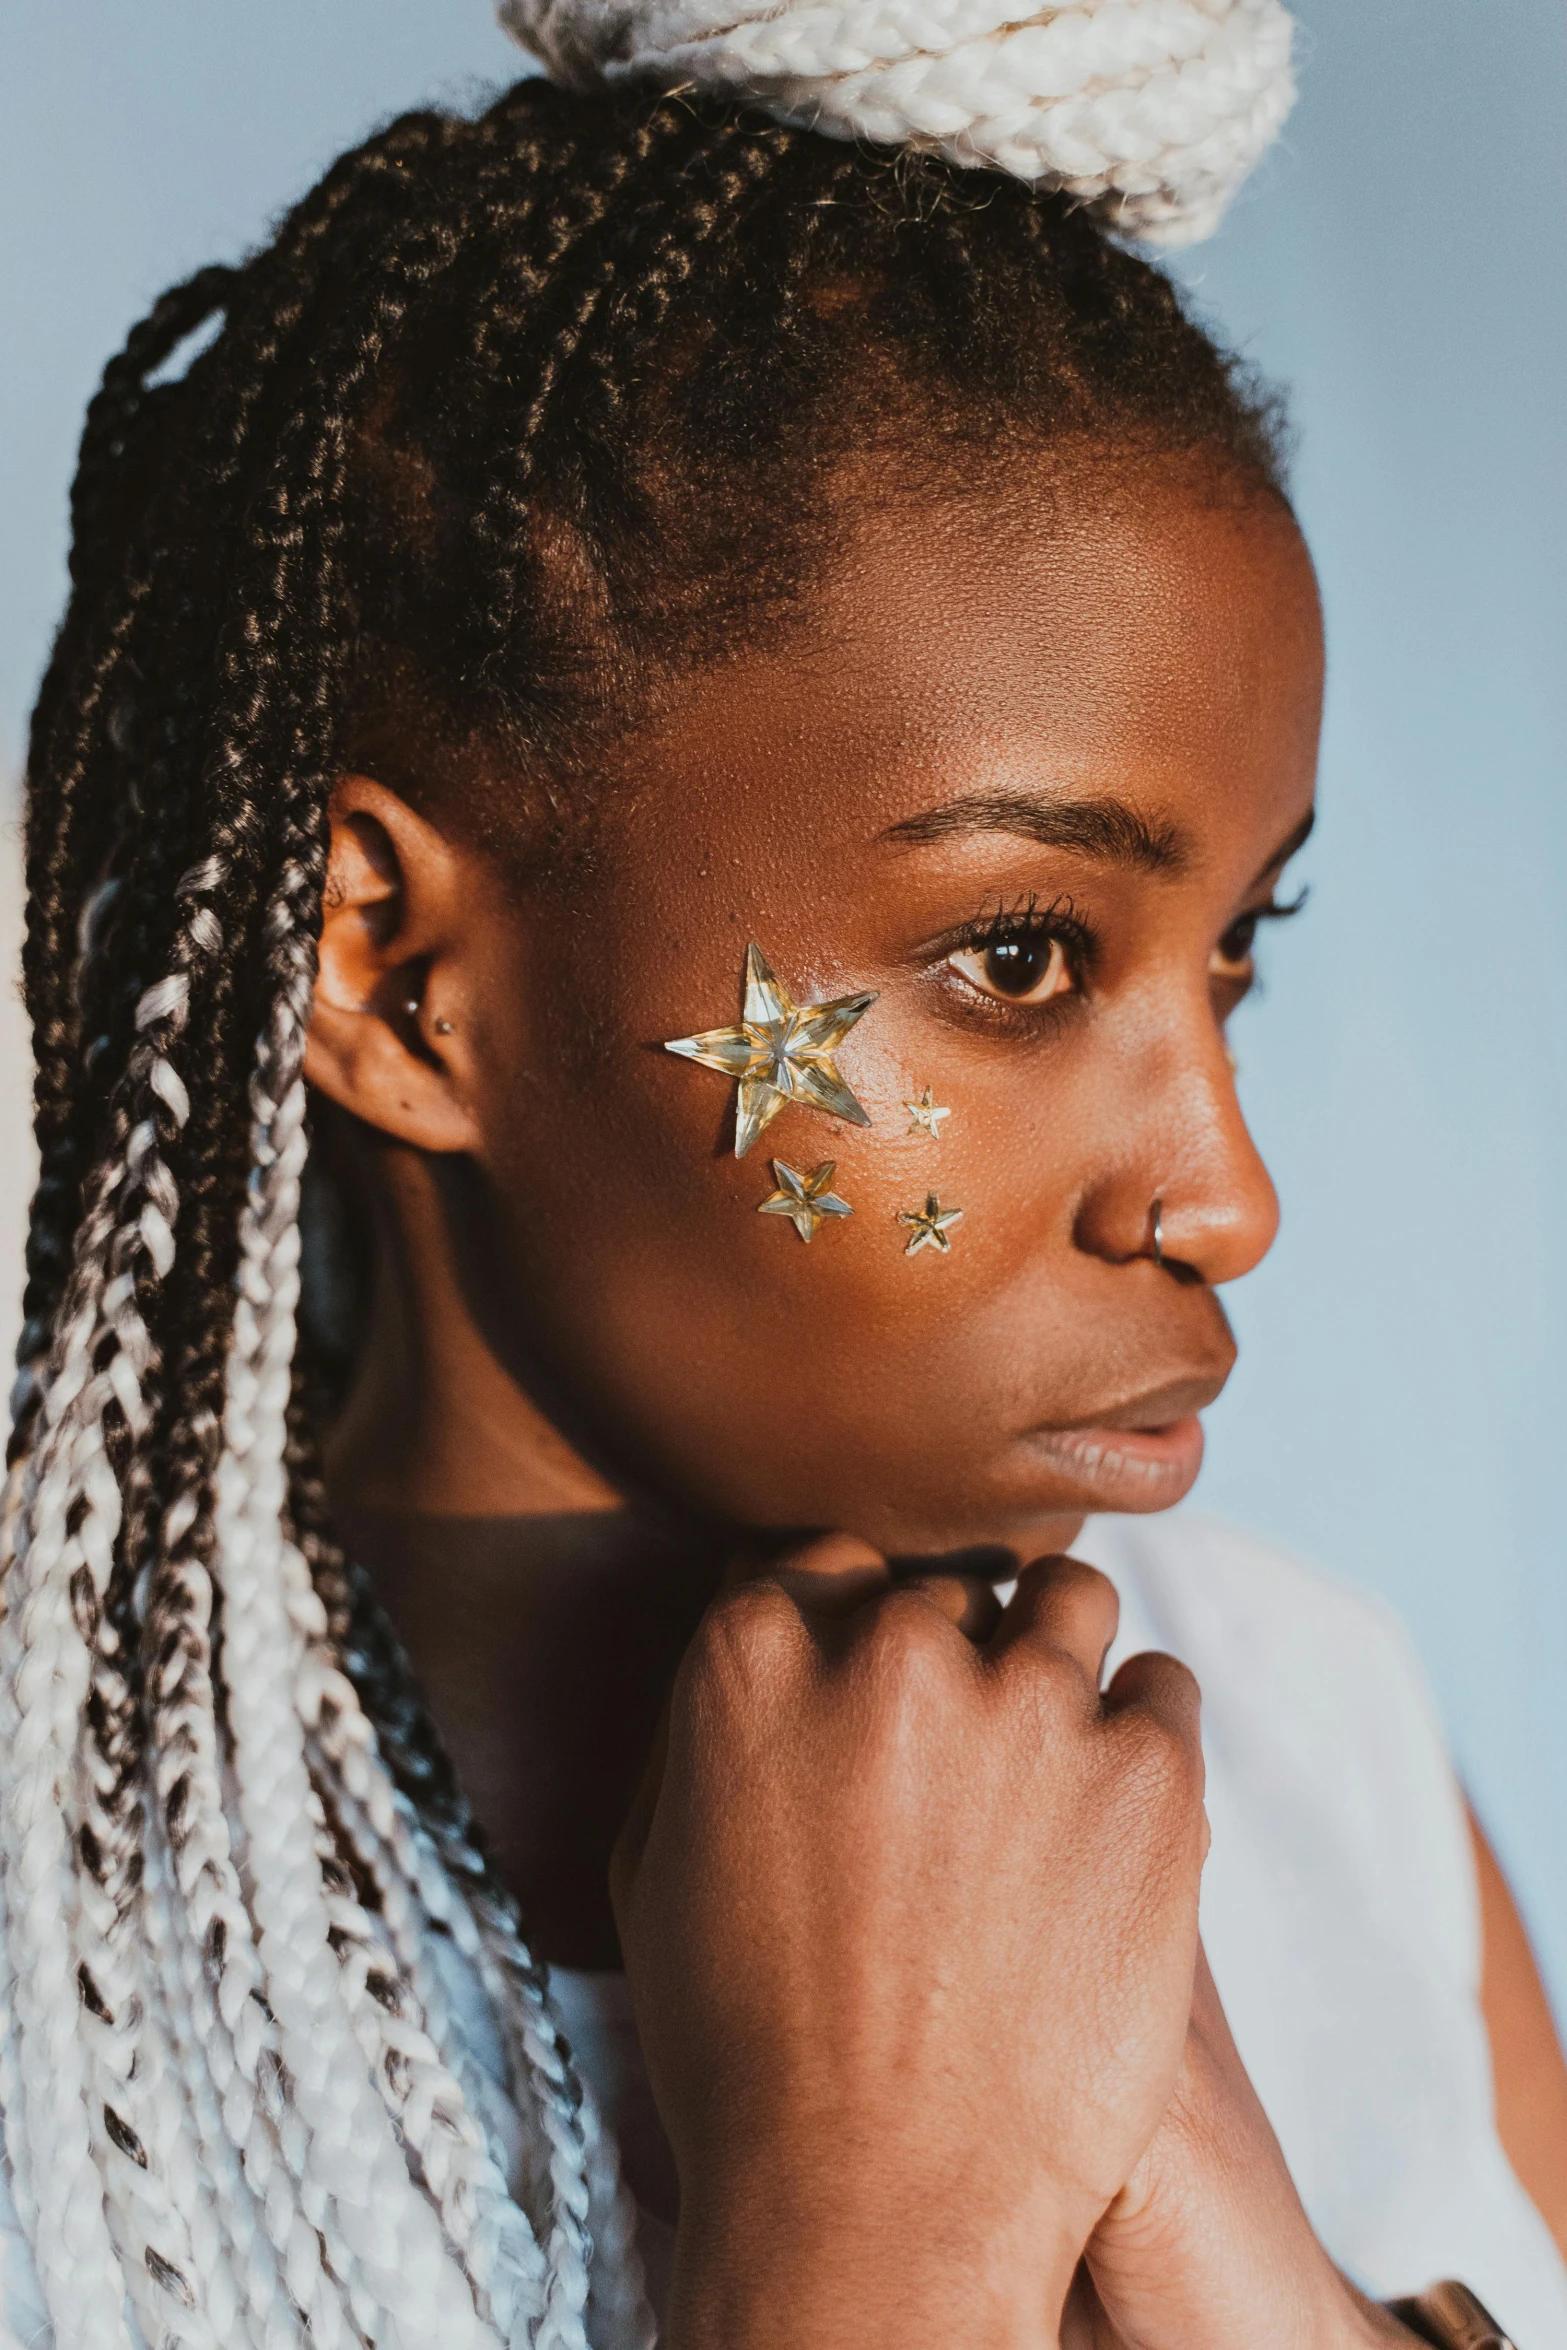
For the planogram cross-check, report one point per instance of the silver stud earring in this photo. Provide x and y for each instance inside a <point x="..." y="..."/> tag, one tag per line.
<point x="443" y="1028"/>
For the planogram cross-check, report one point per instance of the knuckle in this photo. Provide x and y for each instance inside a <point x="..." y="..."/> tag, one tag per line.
<point x="1052" y="1684"/>
<point x="1082" y="1581"/>
<point x="905" y="1666"/>
<point x="908" y="1632"/>
<point x="746" y="1639"/>
<point x="1161" y="1764"/>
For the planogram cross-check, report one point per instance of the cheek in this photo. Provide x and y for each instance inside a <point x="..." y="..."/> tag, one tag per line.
<point x="773" y="1379"/>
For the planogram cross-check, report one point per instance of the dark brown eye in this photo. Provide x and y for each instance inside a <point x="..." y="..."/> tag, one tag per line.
<point x="1017" y="965"/>
<point x="1027" y="969"/>
<point x="1237" y="943"/>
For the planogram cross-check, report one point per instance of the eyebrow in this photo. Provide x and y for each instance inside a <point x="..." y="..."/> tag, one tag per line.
<point x="1106" y="828"/>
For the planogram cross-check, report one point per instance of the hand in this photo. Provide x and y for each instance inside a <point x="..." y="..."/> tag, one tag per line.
<point x="1207" y="2246"/>
<point x="910" y="1922"/>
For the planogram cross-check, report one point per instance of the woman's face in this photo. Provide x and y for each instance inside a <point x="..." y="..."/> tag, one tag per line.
<point x="1027" y="769"/>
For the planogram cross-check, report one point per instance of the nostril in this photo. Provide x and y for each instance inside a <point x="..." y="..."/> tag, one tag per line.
<point x="1189" y="1276"/>
<point x="1177" y="1267"/>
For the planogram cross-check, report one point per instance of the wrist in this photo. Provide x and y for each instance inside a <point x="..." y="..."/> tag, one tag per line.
<point x="771" y="2259"/>
<point x="1358" y="2323"/>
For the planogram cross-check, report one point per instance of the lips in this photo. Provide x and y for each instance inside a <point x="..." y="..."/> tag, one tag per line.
<point x="1108" y="1467"/>
<point x="1137" y="1455"/>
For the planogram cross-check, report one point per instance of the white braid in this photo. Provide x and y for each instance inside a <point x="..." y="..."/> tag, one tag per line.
<point x="260" y="2123"/>
<point x="388" y="2228"/>
<point x="254" y="2126"/>
<point x="67" y="1517"/>
<point x="422" y="2063"/>
<point x="1154" y="110"/>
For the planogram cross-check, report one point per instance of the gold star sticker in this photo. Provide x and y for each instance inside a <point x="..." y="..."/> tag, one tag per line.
<point x="807" y="1200"/>
<point x="931" y="1224"/>
<point x="781" y="1052"/>
<point x="925" y="1115"/>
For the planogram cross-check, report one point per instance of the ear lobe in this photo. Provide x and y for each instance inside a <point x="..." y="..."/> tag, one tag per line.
<point x="383" y="1040"/>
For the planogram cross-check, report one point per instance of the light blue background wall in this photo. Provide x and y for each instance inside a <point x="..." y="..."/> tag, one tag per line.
<point x="1399" y="1410"/>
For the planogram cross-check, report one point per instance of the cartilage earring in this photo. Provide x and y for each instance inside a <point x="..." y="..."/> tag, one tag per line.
<point x="1158" y="1232"/>
<point x="925" y="1115"/>
<point x="443" y="1028"/>
<point x="930" y="1225"/>
<point x="807" y="1200"/>
<point x="780" y="1052"/>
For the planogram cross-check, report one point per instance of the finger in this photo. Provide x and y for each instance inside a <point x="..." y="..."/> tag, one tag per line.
<point x="828" y="1577"/>
<point x="968" y="1601"/>
<point x="1159" y="1685"/>
<point x="1062" y="1604"/>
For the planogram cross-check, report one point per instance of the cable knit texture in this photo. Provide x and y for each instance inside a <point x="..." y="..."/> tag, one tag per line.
<point x="1152" y="110"/>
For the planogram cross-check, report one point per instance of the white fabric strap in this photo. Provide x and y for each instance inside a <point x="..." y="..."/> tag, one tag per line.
<point x="1155" y="110"/>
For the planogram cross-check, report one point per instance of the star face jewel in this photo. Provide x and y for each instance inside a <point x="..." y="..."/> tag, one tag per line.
<point x="930" y="1225"/>
<point x="925" y="1115"/>
<point x="807" y="1200"/>
<point x="781" y="1052"/>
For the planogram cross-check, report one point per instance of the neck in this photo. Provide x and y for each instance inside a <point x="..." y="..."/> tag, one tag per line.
<point x="543" y="1603"/>
<point x="543" y="1608"/>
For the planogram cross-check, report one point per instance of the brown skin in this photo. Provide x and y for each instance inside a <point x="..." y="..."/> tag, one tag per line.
<point x="584" y="1332"/>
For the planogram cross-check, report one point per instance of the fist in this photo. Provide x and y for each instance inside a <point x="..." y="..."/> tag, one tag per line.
<point x="909" y="1914"/>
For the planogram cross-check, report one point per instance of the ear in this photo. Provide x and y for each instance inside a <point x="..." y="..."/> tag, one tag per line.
<point x="388" y="1028"/>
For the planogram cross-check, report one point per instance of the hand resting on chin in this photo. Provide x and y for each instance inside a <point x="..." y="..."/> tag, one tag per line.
<point x="909" y="1913"/>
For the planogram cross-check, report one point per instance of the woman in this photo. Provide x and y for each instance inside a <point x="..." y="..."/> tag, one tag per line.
<point x="732" y="704"/>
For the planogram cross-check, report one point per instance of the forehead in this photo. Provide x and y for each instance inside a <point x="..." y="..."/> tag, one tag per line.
<point x="1138" y="630"/>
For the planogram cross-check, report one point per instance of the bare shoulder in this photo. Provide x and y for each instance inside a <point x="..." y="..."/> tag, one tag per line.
<point x="1526" y="2057"/>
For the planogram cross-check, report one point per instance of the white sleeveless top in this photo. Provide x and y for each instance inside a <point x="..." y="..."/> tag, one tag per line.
<point x="1339" y="1911"/>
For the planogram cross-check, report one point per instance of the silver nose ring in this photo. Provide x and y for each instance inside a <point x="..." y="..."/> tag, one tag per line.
<point x="1158" y="1232"/>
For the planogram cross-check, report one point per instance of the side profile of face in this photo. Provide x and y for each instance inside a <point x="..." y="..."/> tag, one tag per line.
<point x="1029" y="767"/>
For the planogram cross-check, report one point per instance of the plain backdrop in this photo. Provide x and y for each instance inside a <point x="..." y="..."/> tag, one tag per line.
<point x="1400" y="263"/>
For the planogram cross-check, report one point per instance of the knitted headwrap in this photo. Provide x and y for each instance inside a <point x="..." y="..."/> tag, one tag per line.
<point x="1153" y="110"/>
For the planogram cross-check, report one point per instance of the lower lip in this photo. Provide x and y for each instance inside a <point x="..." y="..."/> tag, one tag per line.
<point x="1125" y="1468"/>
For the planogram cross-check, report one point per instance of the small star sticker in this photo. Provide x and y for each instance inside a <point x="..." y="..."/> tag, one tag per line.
<point x="931" y="1224"/>
<point x="925" y="1115"/>
<point x="781" y="1052"/>
<point x="807" y="1200"/>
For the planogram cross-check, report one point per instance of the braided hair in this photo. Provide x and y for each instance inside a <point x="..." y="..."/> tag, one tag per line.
<point x="516" y="417"/>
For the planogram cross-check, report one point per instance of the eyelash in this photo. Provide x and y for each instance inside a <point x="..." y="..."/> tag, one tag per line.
<point x="1059" y="920"/>
<point x="1248" y="923"/>
<point x="1029" y="919"/>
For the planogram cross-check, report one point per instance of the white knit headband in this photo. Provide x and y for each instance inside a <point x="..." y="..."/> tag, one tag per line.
<point x="1155" y="110"/>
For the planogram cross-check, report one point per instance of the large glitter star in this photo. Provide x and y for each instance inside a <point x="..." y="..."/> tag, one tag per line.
<point x="781" y="1052"/>
<point x="931" y="1224"/>
<point x="807" y="1200"/>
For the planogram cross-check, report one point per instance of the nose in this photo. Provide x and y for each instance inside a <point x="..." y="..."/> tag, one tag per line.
<point x="1176" y="1137"/>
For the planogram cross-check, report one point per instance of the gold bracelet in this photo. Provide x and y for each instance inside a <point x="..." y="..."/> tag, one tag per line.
<point x="1450" y="2316"/>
